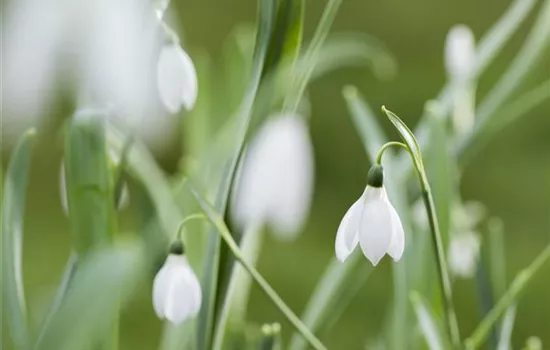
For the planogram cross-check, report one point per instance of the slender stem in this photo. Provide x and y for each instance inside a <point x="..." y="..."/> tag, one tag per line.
<point x="510" y="297"/>
<point x="223" y="231"/>
<point x="388" y="145"/>
<point x="445" y="280"/>
<point x="196" y="216"/>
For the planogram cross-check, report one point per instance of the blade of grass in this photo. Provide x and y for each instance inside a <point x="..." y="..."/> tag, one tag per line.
<point x="518" y="286"/>
<point x="221" y="229"/>
<point x="427" y="322"/>
<point x="13" y="208"/>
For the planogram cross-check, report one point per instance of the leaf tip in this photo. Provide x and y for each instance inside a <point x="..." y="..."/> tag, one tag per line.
<point x="349" y="92"/>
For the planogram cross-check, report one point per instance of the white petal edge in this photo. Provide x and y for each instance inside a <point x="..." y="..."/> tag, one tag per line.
<point x="397" y="245"/>
<point x="375" y="230"/>
<point x="176" y="79"/>
<point x="347" y="236"/>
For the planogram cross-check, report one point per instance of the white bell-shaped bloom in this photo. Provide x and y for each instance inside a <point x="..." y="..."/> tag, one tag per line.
<point x="464" y="254"/>
<point x="176" y="79"/>
<point x="373" y="223"/>
<point x="177" y="293"/>
<point x="276" y="182"/>
<point x="460" y="52"/>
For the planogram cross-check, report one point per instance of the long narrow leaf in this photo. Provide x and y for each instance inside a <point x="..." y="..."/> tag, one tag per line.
<point x="428" y="324"/>
<point x="13" y="208"/>
<point x="104" y="279"/>
<point x="505" y="338"/>
<point x="89" y="182"/>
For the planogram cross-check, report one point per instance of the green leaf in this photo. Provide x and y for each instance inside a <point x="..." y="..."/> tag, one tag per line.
<point x="441" y="169"/>
<point x="331" y="295"/>
<point x="429" y="326"/>
<point x="287" y="34"/>
<point x="529" y="55"/>
<point x="510" y="297"/>
<point x="13" y="208"/>
<point x="342" y="50"/>
<point x="209" y="283"/>
<point x="90" y="189"/>
<point x="221" y="229"/>
<point x="505" y="338"/>
<point x="104" y="280"/>
<point x="371" y="133"/>
<point x="295" y="93"/>
<point x="407" y="136"/>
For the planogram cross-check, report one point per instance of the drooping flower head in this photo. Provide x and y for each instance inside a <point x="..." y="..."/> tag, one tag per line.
<point x="371" y="222"/>
<point x="463" y="254"/>
<point x="276" y="182"/>
<point x="177" y="294"/>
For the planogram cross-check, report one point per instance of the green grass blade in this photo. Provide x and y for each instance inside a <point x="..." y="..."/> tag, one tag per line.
<point x="428" y="324"/>
<point x="505" y="338"/>
<point x="104" y="280"/>
<point x="13" y="208"/>
<point x="342" y="50"/>
<point x="328" y="296"/>
<point x="518" y="286"/>
<point x="217" y="221"/>
<point x="210" y="278"/>
<point x="530" y="53"/>
<point x="90" y="189"/>
<point x="371" y="133"/>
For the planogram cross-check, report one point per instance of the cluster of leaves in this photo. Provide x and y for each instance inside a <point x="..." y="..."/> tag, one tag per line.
<point x="279" y="73"/>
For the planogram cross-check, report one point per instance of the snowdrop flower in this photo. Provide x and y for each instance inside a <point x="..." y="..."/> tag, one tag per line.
<point x="276" y="182"/>
<point x="460" y="64"/>
<point x="371" y="222"/>
<point x="176" y="79"/>
<point x="463" y="254"/>
<point x="177" y="293"/>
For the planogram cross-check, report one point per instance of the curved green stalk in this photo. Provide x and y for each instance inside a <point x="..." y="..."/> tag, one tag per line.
<point x="223" y="231"/>
<point x="444" y="278"/>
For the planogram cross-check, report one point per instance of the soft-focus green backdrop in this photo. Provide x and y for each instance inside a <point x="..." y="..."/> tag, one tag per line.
<point x="511" y="176"/>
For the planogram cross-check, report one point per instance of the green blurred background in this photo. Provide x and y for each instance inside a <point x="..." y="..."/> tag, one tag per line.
<point x="511" y="176"/>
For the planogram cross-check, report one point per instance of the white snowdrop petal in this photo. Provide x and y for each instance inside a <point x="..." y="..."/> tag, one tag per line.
<point x="176" y="291"/>
<point x="460" y="52"/>
<point x="375" y="228"/>
<point x="276" y="177"/>
<point x="176" y="79"/>
<point x="397" y="245"/>
<point x="347" y="236"/>
<point x="160" y="289"/>
<point x="463" y="254"/>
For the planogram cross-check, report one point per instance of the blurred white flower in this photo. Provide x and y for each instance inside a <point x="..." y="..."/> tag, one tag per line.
<point x="105" y="51"/>
<point x="371" y="222"/>
<point x="464" y="254"/>
<point x="176" y="79"/>
<point x="276" y="182"/>
<point x="460" y="64"/>
<point x="177" y="293"/>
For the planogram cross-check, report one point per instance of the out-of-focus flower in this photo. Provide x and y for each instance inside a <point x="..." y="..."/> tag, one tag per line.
<point x="460" y="64"/>
<point x="463" y="254"/>
<point x="105" y="51"/>
<point x="176" y="79"/>
<point x="177" y="294"/>
<point x="371" y="222"/>
<point x="276" y="182"/>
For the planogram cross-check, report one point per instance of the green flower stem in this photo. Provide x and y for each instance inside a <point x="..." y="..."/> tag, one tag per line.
<point x="445" y="280"/>
<point x="510" y="297"/>
<point x="223" y="231"/>
<point x="386" y="146"/>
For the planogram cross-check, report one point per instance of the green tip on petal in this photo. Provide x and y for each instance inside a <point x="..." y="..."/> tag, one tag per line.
<point x="375" y="177"/>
